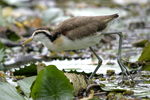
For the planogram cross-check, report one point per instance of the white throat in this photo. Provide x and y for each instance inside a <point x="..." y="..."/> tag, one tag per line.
<point x="44" y="40"/>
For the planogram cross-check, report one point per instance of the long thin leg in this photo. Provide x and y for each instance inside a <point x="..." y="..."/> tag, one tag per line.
<point x="123" y="68"/>
<point x="99" y="63"/>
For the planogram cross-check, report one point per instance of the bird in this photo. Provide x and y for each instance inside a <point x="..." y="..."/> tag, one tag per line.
<point x="77" y="33"/>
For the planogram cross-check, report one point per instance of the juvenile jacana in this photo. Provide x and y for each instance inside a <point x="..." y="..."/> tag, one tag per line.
<point x="77" y="33"/>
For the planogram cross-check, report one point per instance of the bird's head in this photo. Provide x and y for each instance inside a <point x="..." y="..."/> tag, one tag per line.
<point x="38" y="35"/>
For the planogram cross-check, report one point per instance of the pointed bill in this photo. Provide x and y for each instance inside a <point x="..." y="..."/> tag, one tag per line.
<point x="27" y="41"/>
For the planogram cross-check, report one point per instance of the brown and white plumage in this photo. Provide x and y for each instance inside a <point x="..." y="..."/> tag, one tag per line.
<point x="83" y="26"/>
<point x="77" y="33"/>
<point x="74" y="33"/>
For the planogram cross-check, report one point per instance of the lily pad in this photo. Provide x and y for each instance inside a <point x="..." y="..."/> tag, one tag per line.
<point x="53" y="16"/>
<point x="147" y="94"/>
<point x="15" y="3"/>
<point x="140" y="43"/>
<point x="8" y="92"/>
<point x="27" y="70"/>
<point x="96" y="11"/>
<point x="51" y="84"/>
<point x="145" y="54"/>
<point x="113" y="87"/>
<point x="25" y="85"/>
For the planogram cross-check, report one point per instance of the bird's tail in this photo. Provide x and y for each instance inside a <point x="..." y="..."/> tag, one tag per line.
<point x="108" y="20"/>
<point x="111" y="17"/>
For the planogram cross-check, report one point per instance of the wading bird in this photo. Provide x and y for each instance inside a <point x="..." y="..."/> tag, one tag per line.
<point x="77" y="33"/>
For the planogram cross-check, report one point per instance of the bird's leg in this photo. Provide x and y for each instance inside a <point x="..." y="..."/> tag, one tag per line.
<point x="99" y="63"/>
<point x="123" y="68"/>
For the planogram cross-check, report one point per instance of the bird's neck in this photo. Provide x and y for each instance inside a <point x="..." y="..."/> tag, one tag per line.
<point x="45" y="39"/>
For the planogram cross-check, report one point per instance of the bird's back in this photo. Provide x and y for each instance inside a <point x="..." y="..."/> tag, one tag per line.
<point x="83" y="26"/>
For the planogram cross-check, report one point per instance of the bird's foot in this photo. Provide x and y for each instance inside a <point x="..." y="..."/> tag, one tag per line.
<point x="125" y="73"/>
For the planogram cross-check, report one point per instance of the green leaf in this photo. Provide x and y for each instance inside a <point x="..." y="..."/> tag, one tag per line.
<point x="113" y="87"/>
<point x="2" y="45"/>
<point x="145" y="53"/>
<point x="143" y="95"/>
<point x="52" y="84"/>
<point x="25" y="85"/>
<point x="13" y="36"/>
<point x="27" y="70"/>
<point x="8" y="92"/>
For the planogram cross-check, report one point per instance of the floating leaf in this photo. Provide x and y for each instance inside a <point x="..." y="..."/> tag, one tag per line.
<point x="25" y="85"/>
<point x="52" y="84"/>
<point x="143" y="95"/>
<point x="53" y="15"/>
<point x="145" y="54"/>
<point x="27" y="70"/>
<point x="113" y="87"/>
<point x="8" y="92"/>
<point x="89" y="11"/>
<point x="140" y="43"/>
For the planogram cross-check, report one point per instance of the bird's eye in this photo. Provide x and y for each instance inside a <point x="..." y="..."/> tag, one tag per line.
<point x="36" y="33"/>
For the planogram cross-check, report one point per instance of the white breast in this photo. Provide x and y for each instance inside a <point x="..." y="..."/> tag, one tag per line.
<point x="63" y="43"/>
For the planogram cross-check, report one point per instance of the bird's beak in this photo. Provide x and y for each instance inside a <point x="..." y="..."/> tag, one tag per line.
<point x="27" y="41"/>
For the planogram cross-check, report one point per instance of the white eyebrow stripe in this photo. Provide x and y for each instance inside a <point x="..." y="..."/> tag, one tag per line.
<point x="38" y="31"/>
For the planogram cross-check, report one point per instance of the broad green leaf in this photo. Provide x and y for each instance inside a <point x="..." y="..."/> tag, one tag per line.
<point x="145" y="53"/>
<point x="52" y="84"/>
<point x="8" y="92"/>
<point x="27" y="70"/>
<point x="25" y="85"/>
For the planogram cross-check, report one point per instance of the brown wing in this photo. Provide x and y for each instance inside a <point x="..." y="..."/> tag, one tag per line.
<point x="79" y="27"/>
